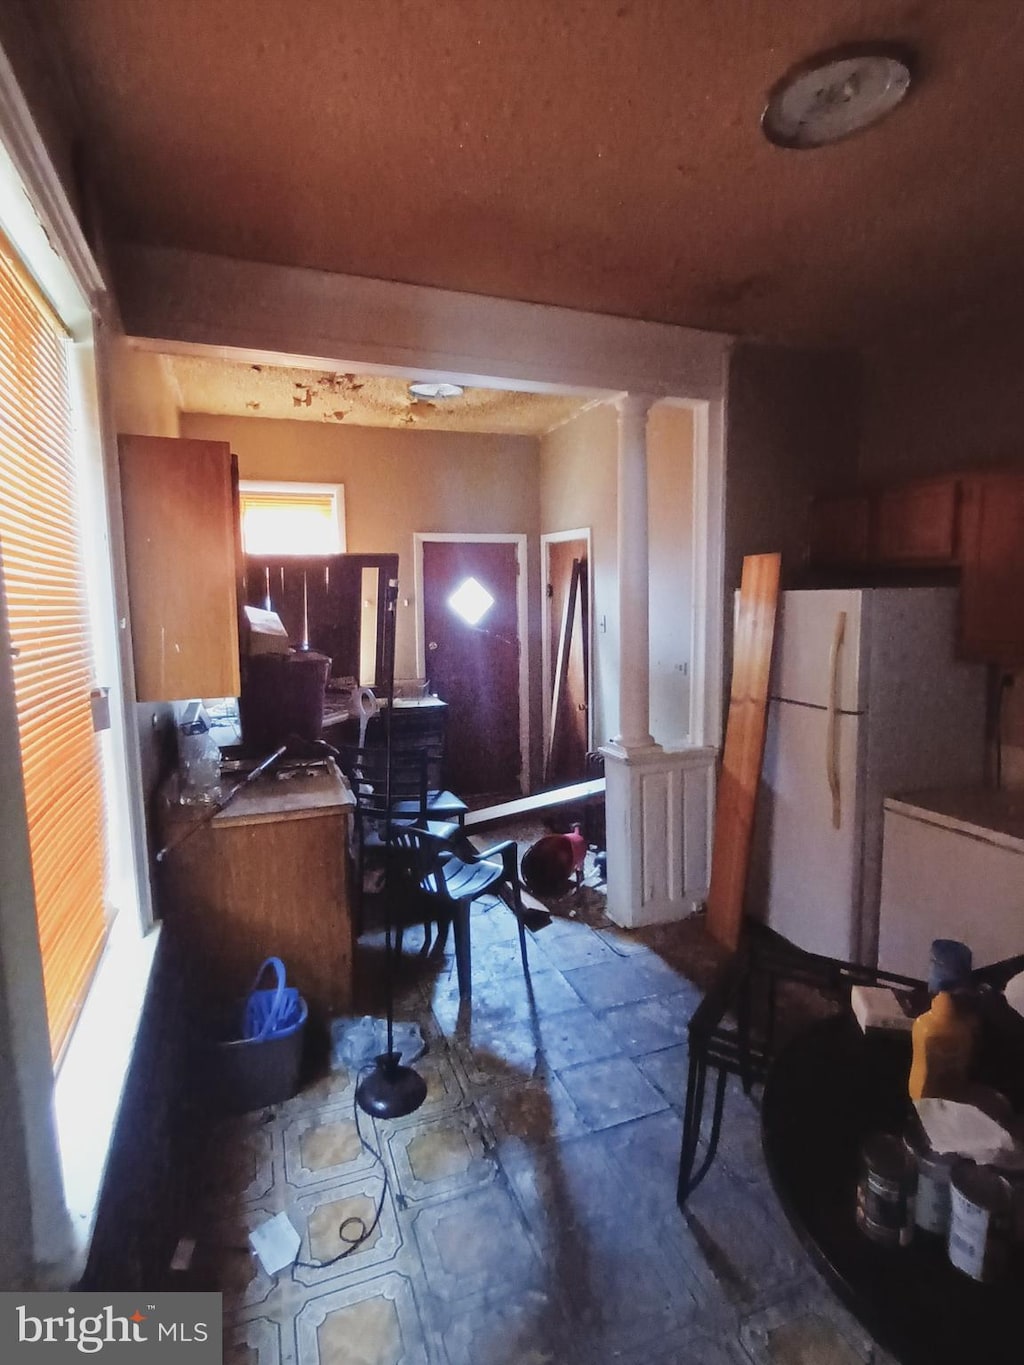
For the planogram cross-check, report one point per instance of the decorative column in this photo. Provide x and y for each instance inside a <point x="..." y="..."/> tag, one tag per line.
<point x="634" y="576"/>
<point x="657" y="802"/>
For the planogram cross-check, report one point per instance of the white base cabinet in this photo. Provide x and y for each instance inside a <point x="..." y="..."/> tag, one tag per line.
<point x="952" y="867"/>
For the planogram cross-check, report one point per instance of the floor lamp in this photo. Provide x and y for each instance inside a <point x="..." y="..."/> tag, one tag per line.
<point x="390" y="1090"/>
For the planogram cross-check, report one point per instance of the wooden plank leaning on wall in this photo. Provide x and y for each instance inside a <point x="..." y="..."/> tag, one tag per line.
<point x="753" y="638"/>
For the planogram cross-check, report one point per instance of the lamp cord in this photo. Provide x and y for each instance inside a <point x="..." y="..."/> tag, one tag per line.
<point x="362" y="1231"/>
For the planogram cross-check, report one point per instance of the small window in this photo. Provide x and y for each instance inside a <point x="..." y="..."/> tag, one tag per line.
<point x="292" y="518"/>
<point x="471" y="601"/>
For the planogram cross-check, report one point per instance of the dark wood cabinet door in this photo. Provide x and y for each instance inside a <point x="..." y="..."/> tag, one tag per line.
<point x="917" y="523"/>
<point x="992" y="587"/>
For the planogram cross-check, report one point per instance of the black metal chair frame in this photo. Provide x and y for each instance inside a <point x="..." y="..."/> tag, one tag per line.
<point x="412" y="801"/>
<point x="733" y="1032"/>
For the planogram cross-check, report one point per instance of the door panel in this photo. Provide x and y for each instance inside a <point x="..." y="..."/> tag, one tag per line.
<point x="808" y="871"/>
<point x="807" y="630"/>
<point x="475" y="667"/>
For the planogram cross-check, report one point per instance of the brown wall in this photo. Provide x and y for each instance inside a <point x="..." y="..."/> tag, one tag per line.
<point x="398" y="483"/>
<point x="792" y="429"/>
<point x="945" y="403"/>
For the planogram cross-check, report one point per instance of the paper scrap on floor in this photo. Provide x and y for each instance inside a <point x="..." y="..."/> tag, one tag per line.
<point x="276" y="1243"/>
<point x="961" y="1128"/>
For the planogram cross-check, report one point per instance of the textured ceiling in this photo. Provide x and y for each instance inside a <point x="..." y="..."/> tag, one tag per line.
<point x="241" y="390"/>
<point x="599" y="154"/>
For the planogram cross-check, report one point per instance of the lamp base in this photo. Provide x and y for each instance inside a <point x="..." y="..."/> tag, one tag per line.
<point x="390" y="1090"/>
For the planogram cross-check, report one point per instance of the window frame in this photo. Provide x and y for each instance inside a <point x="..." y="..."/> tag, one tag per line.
<point x="62" y="1149"/>
<point x="296" y="488"/>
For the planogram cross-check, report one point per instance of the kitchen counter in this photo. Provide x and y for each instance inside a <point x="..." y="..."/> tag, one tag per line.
<point x="268" y="876"/>
<point x="994" y="816"/>
<point x="952" y="867"/>
<point x="298" y="793"/>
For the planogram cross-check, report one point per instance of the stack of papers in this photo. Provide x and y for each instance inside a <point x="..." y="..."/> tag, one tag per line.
<point x="877" y="1007"/>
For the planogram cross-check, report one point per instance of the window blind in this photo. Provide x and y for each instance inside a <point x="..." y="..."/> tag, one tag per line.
<point x="296" y="523"/>
<point x="45" y="597"/>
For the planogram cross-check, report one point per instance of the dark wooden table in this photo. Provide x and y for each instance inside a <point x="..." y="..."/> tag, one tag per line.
<point x="824" y="1093"/>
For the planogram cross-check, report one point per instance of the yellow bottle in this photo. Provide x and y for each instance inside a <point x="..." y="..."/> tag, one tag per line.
<point x="943" y="1039"/>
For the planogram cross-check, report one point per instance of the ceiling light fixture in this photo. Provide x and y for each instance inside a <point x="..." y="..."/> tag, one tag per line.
<point x="834" y="94"/>
<point x="427" y="389"/>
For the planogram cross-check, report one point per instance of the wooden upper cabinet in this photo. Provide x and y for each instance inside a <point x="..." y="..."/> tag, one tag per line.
<point x="992" y="554"/>
<point x="178" y="499"/>
<point x="840" y="530"/>
<point x="917" y="523"/>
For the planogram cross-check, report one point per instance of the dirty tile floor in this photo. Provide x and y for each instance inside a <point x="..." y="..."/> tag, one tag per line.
<point x="529" y="1216"/>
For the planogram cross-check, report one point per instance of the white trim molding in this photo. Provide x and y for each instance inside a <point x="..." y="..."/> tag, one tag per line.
<point x="522" y="621"/>
<point x="299" y="489"/>
<point x="659" y="807"/>
<point x="61" y="260"/>
<point x="172" y="296"/>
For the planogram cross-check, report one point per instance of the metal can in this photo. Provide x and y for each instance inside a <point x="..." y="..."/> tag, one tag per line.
<point x="885" y="1190"/>
<point x="1013" y="1172"/>
<point x="931" y="1203"/>
<point x="979" y="1220"/>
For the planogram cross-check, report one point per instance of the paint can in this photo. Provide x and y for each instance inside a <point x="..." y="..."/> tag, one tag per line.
<point x="885" y="1190"/>
<point x="1013" y="1171"/>
<point x="981" y="1206"/>
<point x="931" y="1203"/>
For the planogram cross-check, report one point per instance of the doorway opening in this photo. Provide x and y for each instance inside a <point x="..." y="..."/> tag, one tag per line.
<point x="567" y="654"/>
<point x="471" y="647"/>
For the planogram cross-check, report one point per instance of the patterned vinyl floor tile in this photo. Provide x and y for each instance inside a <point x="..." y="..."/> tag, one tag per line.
<point x="528" y="1215"/>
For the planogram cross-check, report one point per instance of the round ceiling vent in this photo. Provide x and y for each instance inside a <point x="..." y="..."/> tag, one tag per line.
<point x="835" y="94"/>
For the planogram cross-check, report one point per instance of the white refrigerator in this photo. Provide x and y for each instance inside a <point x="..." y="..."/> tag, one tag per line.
<point x="866" y="701"/>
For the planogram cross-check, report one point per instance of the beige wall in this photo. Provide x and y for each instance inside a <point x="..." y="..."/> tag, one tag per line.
<point x="578" y="489"/>
<point x="142" y="390"/>
<point x="398" y="483"/>
<point x="578" y="463"/>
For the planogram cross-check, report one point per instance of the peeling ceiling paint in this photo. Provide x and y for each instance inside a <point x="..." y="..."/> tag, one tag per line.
<point x="225" y="388"/>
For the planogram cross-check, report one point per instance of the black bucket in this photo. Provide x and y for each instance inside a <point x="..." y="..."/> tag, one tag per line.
<point x="251" y="1073"/>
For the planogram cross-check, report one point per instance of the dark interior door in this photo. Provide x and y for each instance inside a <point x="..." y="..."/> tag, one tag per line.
<point x="473" y="665"/>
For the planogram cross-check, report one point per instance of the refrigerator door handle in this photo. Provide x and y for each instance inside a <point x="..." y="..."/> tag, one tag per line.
<point x="831" y="727"/>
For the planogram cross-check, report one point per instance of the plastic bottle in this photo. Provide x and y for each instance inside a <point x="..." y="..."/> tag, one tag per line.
<point x="943" y="1041"/>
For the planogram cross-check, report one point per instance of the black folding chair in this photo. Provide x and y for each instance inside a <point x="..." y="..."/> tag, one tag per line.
<point x="734" y="1032"/>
